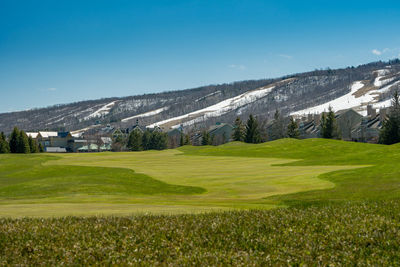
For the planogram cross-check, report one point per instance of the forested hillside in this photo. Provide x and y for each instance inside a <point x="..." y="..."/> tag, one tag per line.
<point x="203" y="106"/>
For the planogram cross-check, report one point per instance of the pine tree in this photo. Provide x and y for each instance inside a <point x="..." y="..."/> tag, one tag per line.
<point x="14" y="140"/>
<point x="135" y="140"/>
<point x="181" y="140"/>
<point x="158" y="140"/>
<point x="23" y="143"/>
<point x="239" y="131"/>
<point x="328" y="125"/>
<point x="390" y="132"/>
<point x="252" y="131"/>
<point x="4" y="147"/>
<point x="146" y="140"/>
<point x="206" y="140"/>
<point x="293" y="129"/>
<point x="34" y="148"/>
<point x="41" y="148"/>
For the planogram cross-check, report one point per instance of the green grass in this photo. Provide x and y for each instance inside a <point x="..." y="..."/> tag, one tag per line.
<point x="349" y="234"/>
<point x="197" y="179"/>
<point x="381" y="180"/>
<point x="341" y="206"/>
<point x="24" y="177"/>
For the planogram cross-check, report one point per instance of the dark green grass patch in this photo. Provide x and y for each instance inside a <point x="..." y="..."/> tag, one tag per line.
<point x="24" y="177"/>
<point x="365" y="233"/>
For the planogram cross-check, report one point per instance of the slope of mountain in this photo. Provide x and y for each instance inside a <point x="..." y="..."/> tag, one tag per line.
<point x="303" y="93"/>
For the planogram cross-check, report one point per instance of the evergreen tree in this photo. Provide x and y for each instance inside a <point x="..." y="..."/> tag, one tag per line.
<point x="158" y="140"/>
<point x="3" y="136"/>
<point x="328" y="125"/>
<point x="181" y="140"/>
<point x="252" y="131"/>
<point x="239" y="131"/>
<point x="135" y="140"/>
<point x="33" y="146"/>
<point x="278" y="130"/>
<point x="4" y="147"/>
<point x="146" y="140"/>
<point x="23" y="143"/>
<point x="41" y="148"/>
<point x="118" y="139"/>
<point x="14" y="140"/>
<point x="206" y="140"/>
<point x="390" y="132"/>
<point x="322" y="123"/>
<point x="293" y="129"/>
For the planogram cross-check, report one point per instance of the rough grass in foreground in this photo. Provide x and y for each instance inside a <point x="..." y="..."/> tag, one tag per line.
<point x="366" y="233"/>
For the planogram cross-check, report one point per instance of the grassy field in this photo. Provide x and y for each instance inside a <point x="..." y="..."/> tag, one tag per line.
<point x="191" y="179"/>
<point x="287" y="202"/>
<point x="197" y="179"/>
<point x="349" y="234"/>
<point x="380" y="179"/>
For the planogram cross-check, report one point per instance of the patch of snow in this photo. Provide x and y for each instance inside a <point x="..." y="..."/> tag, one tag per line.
<point x="77" y="135"/>
<point x="104" y="110"/>
<point x="387" y="88"/>
<point x="146" y="114"/>
<point x="378" y="80"/>
<point x="48" y="134"/>
<point x="383" y="104"/>
<point x="81" y="131"/>
<point x="344" y="102"/>
<point x="220" y="108"/>
<point x="350" y="101"/>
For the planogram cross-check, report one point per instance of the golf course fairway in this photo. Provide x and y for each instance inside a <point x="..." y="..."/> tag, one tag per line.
<point x="194" y="179"/>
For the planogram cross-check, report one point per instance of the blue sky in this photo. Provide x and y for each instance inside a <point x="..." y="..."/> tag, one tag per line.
<point x="62" y="51"/>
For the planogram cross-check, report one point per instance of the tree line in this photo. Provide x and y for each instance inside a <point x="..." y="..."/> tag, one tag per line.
<point x="147" y="140"/>
<point x="253" y="132"/>
<point x="19" y="142"/>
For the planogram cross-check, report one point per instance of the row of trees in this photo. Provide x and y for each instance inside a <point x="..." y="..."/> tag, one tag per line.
<point x="19" y="142"/>
<point x="148" y="140"/>
<point x="252" y="132"/>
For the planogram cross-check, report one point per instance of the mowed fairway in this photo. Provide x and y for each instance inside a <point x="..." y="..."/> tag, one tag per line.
<point x="157" y="182"/>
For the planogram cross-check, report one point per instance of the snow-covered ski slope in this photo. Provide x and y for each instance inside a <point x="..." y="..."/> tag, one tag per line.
<point x="382" y="84"/>
<point x="216" y="110"/>
<point x="104" y="110"/>
<point x="146" y="114"/>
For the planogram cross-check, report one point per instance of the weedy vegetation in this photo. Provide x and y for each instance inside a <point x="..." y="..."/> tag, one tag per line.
<point x="366" y="233"/>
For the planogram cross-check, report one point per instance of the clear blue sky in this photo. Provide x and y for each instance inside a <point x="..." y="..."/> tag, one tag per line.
<point x="61" y="51"/>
